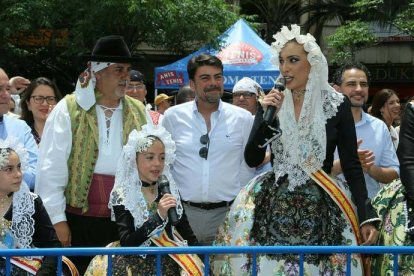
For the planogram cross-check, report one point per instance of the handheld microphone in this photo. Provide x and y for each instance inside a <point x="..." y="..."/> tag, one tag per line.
<point x="270" y="112"/>
<point x="164" y="186"/>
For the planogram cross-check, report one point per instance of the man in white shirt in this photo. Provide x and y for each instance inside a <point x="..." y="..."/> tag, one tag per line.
<point x="376" y="151"/>
<point x="210" y="136"/>
<point x="80" y="147"/>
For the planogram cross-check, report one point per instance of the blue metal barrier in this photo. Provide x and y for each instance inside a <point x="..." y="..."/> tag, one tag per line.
<point x="207" y="251"/>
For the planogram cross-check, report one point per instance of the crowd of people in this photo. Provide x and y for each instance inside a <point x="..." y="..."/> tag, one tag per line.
<point x="302" y="165"/>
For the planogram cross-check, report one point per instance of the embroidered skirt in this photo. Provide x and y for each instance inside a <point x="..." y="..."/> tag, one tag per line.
<point x="389" y="204"/>
<point x="268" y="214"/>
<point x="132" y="265"/>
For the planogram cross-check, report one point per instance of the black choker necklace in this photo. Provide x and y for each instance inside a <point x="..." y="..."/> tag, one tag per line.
<point x="146" y="184"/>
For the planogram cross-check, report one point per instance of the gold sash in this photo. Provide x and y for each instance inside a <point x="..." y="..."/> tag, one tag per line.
<point x="338" y="196"/>
<point x="346" y="206"/>
<point x="190" y="263"/>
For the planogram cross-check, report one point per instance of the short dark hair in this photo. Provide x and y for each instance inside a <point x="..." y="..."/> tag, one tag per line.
<point x="379" y="100"/>
<point x="202" y="60"/>
<point x="27" y="115"/>
<point x="337" y="77"/>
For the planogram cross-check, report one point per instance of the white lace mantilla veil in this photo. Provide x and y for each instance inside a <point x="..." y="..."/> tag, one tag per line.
<point x="23" y="200"/>
<point x="127" y="187"/>
<point x="301" y="149"/>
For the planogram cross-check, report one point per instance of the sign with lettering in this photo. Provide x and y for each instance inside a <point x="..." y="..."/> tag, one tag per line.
<point x="43" y="37"/>
<point x="400" y="74"/>
<point x="243" y="54"/>
<point x="240" y="53"/>
<point x="170" y="78"/>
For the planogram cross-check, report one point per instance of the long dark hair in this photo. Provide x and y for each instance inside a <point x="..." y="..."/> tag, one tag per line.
<point x="27" y="115"/>
<point x="379" y="100"/>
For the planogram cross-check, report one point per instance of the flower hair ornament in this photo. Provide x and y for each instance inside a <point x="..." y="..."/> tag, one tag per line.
<point x="127" y="187"/>
<point x="23" y="200"/>
<point x="320" y="103"/>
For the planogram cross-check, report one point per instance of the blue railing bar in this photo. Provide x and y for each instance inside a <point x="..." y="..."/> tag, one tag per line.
<point x="348" y="261"/>
<point x="59" y="264"/>
<point x="206" y="263"/>
<point x="8" y="265"/>
<point x="109" y="268"/>
<point x="207" y="250"/>
<point x="301" y="260"/>
<point x="159" y="265"/>
<point x="254" y="265"/>
<point x="395" y="263"/>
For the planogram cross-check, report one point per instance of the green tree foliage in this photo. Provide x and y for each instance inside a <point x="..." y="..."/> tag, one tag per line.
<point x="275" y="13"/>
<point x="320" y="12"/>
<point x="44" y="36"/>
<point x="349" y="38"/>
<point x="355" y="17"/>
<point x="388" y="13"/>
<point x="405" y="20"/>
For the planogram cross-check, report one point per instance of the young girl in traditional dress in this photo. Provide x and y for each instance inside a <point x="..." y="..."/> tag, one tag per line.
<point x="140" y="208"/>
<point x="24" y="222"/>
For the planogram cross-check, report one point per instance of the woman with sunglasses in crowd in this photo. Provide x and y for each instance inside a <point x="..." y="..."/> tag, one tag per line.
<point x="38" y="100"/>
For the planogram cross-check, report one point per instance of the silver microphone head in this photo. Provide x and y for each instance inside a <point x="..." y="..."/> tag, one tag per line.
<point x="280" y="83"/>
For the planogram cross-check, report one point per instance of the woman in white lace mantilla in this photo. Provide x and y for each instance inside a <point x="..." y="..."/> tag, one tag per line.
<point x="24" y="222"/>
<point x="291" y="205"/>
<point x="140" y="208"/>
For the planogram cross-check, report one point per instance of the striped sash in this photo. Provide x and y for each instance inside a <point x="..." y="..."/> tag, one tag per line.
<point x="29" y="264"/>
<point x="190" y="263"/>
<point x="346" y="206"/>
<point x="338" y="196"/>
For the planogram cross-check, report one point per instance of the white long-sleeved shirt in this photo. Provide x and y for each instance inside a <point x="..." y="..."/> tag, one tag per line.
<point x="55" y="149"/>
<point x="224" y="173"/>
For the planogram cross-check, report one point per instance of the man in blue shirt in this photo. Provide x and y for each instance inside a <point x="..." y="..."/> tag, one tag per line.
<point x="11" y="127"/>
<point x="376" y="151"/>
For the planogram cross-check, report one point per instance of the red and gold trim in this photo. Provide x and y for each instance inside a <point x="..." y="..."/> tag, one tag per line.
<point x="346" y="206"/>
<point x="190" y="263"/>
<point x="338" y="196"/>
<point x="31" y="265"/>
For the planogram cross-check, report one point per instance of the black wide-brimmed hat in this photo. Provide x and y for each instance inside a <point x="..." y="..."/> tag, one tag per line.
<point x="111" y="48"/>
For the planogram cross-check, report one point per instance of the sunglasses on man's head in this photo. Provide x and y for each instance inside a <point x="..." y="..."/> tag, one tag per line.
<point x="204" y="150"/>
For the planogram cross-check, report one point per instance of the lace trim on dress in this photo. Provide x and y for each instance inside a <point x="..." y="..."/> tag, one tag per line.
<point x="409" y="228"/>
<point x="127" y="187"/>
<point x="23" y="211"/>
<point x="301" y="149"/>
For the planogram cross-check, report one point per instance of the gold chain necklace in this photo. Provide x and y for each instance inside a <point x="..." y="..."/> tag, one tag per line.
<point x="4" y="207"/>
<point x="5" y="201"/>
<point x="5" y="225"/>
<point x="298" y="94"/>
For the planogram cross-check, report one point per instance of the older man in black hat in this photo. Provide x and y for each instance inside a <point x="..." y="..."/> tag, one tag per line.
<point x="81" y="143"/>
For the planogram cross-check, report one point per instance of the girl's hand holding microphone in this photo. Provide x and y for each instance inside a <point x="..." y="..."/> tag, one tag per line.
<point x="166" y="202"/>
